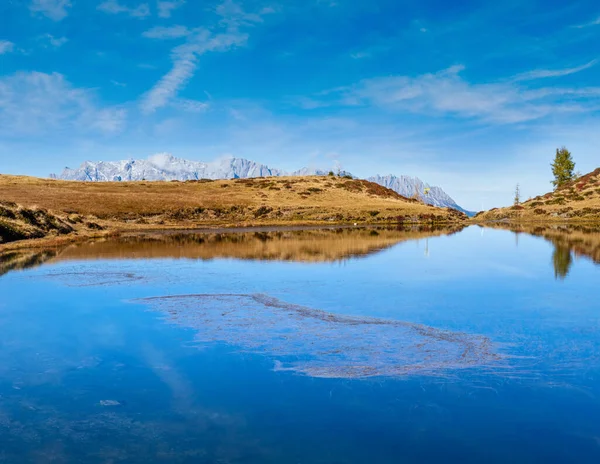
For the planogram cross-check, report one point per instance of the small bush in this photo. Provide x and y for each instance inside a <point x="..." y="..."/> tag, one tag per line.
<point x="93" y="226"/>
<point x="7" y="213"/>
<point x="262" y="211"/>
<point x="9" y="233"/>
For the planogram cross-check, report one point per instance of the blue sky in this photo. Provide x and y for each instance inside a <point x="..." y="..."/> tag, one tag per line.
<point x="473" y="96"/>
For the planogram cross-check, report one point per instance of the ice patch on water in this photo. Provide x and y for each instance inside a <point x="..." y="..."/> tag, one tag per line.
<point x="323" y="344"/>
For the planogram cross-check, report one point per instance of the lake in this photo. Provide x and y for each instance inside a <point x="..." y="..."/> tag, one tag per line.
<point x="374" y="345"/>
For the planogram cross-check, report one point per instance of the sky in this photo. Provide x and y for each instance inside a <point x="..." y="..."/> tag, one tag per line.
<point x="471" y="95"/>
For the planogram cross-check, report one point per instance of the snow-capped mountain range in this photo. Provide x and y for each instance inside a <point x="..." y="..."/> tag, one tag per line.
<point x="408" y="186"/>
<point x="165" y="167"/>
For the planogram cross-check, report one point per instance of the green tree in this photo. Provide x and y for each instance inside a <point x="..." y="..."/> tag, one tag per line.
<point x="563" y="167"/>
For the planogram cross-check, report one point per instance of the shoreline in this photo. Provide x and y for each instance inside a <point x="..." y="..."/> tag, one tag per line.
<point x="170" y="229"/>
<point x="59" y="240"/>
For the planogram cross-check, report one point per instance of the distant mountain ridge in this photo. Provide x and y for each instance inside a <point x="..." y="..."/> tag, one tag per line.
<point x="166" y="167"/>
<point x="410" y="186"/>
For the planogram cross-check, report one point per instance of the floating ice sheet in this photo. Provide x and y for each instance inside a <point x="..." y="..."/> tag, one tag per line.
<point x="323" y="344"/>
<point x="85" y="278"/>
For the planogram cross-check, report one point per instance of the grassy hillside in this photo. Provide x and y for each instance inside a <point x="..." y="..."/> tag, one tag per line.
<point x="578" y="200"/>
<point x="239" y="202"/>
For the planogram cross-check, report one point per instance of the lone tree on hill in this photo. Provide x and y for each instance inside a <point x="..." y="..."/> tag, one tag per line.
<point x="563" y="167"/>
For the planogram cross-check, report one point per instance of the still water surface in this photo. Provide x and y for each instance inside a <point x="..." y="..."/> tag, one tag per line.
<point x="312" y="346"/>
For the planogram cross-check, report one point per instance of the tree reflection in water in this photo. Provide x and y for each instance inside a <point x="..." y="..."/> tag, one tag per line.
<point x="562" y="258"/>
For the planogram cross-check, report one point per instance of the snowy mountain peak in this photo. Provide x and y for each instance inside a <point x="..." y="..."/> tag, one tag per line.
<point x="413" y="186"/>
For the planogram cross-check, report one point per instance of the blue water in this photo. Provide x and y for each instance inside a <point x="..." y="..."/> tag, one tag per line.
<point x="461" y="348"/>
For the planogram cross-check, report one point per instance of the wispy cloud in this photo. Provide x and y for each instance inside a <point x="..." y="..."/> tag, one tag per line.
<point x="544" y="73"/>
<point x="172" y="32"/>
<point x="114" y="7"/>
<point x="6" y="47"/>
<point x="53" y="9"/>
<point x="50" y="41"/>
<point x="233" y="15"/>
<point x="360" y="55"/>
<point x="595" y="22"/>
<point x="185" y="61"/>
<point x="227" y="35"/>
<point x="447" y="93"/>
<point x="166" y="7"/>
<point x="191" y="106"/>
<point x="39" y="103"/>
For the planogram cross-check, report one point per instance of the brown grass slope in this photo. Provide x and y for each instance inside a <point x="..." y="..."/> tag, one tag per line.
<point x="19" y="223"/>
<point x="578" y="200"/>
<point x="239" y="202"/>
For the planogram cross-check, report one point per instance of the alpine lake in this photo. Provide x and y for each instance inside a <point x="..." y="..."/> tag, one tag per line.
<point x="338" y="345"/>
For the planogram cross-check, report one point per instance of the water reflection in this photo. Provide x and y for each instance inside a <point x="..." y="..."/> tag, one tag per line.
<point x="24" y="259"/>
<point x="305" y="245"/>
<point x="562" y="260"/>
<point x="569" y="241"/>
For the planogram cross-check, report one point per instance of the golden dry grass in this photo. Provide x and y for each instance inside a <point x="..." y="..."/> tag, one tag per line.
<point x="224" y="202"/>
<point x="576" y="201"/>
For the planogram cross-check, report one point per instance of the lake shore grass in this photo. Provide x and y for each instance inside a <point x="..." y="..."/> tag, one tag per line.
<point x="577" y="201"/>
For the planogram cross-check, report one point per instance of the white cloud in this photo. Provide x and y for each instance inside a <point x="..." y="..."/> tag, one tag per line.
<point x="172" y="32"/>
<point x="447" y="93"/>
<point x="53" y="9"/>
<point x="6" y="47"/>
<point x="166" y="7"/>
<point x="360" y="55"/>
<point x="595" y="22"/>
<point x="35" y="103"/>
<point x="52" y="41"/>
<point x="185" y="57"/>
<point x="185" y="61"/>
<point x="107" y="120"/>
<point x="192" y="106"/>
<point x="544" y="73"/>
<point x="233" y="15"/>
<point x="114" y="7"/>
